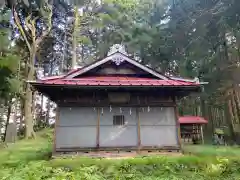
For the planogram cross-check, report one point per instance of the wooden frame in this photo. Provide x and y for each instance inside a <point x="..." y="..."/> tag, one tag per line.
<point x="55" y="129"/>
<point x="101" y="104"/>
<point x="123" y="148"/>
<point x="177" y="124"/>
<point x="202" y="134"/>
<point x="98" y="128"/>
<point x="138" y="129"/>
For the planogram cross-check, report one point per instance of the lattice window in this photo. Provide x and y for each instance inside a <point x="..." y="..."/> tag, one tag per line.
<point x="118" y="120"/>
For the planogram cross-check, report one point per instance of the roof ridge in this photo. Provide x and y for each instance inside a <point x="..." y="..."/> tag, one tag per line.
<point x="119" y="79"/>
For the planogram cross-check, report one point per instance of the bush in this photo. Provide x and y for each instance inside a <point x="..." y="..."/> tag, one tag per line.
<point x="150" y="168"/>
<point x="186" y="167"/>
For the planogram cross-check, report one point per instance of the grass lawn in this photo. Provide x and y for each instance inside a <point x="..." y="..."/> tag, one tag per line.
<point x="210" y="150"/>
<point x="30" y="160"/>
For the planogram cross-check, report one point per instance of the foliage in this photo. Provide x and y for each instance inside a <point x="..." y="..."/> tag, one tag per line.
<point x="135" y="168"/>
<point x="10" y="85"/>
<point x="30" y="159"/>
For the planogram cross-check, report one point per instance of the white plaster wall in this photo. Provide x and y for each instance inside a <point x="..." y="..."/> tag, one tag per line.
<point x="76" y="127"/>
<point x="118" y="136"/>
<point x="158" y="127"/>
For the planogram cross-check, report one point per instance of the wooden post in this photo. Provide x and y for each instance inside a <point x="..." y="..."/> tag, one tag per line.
<point x="202" y="134"/>
<point x="55" y="129"/>
<point x="98" y="128"/>
<point x="138" y="130"/>
<point x="177" y="123"/>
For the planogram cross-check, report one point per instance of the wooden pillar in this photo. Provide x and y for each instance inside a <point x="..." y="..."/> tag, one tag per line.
<point x="202" y="134"/>
<point x="55" y="128"/>
<point x="98" y="128"/>
<point x="177" y="123"/>
<point x="138" y="130"/>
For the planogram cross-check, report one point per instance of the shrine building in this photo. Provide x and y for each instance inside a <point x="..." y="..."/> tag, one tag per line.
<point x="116" y="103"/>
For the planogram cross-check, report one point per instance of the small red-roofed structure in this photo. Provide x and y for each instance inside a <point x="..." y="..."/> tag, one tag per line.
<point x="192" y="120"/>
<point x="191" y="127"/>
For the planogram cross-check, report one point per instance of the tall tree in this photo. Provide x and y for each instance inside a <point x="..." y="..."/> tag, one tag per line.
<point x="33" y="22"/>
<point x="9" y="68"/>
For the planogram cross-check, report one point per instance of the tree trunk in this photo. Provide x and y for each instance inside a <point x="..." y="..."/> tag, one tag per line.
<point x="41" y="111"/>
<point x="238" y="44"/>
<point x="8" y="119"/>
<point x="223" y="117"/>
<point x="74" y="42"/>
<point x="33" y="109"/>
<point x="48" y="113"/>
<point x="229" y="119"/>
<point x="219" y="117"/>
<point x="22" y="114"/>
<point x="235" y="112"/>
<point x="237" y="101"/>
<point x="212" y="117"/>
<point x="29" y="132"/>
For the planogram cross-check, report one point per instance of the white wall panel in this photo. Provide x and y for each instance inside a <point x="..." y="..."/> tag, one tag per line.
<point x="117" y="136"/>
<point x="158" y="126"/>
<point x="76" y="127"/>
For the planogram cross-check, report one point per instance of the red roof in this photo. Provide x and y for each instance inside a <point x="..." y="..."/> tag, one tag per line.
<point x="114" y="81"/>
<point x="76" y="76"/>
<point x="192" y="120"/>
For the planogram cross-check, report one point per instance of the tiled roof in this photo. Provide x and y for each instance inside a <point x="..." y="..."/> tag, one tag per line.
<point x="192" y="120"/>
<point x="114" y="81"/>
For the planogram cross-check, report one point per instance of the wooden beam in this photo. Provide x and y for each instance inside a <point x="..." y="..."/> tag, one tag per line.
<point x="102" y="104"/>
<point x="117" y="149"/>
<point x="202" y="134"/>
<point x="98" y="128"/>
<point x="177" y="123"/>
<point x="55" y="129"/>
<point x="139" y="129"/>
